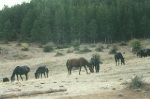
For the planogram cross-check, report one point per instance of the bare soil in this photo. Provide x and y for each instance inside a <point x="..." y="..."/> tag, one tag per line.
<point x="110" y="83"/>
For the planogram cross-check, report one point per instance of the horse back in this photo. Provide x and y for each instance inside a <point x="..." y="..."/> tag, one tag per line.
<point x="118" y="56"/>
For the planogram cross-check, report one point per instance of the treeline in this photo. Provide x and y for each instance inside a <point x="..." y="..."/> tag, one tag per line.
<point x="62" y="21"/>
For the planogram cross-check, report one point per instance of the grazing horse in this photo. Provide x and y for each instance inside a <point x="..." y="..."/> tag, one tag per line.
<point x="78" y="62"/>
<point x="95" y="63"/>
<point x="20" y="70"/>
<point x="5" y="79"/>
<point x="118" y="56"/>
<point x="41" y="70"/>
<point x="143" y="53"/>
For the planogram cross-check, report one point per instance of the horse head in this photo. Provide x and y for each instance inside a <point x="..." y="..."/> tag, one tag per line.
<point x="122" y="61"/>
<point x="36" y="75"/>
<point x="12" y="78"/>
<point x="90" y="67"/>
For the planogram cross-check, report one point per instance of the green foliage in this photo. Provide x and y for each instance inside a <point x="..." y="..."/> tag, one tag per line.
<point x="75" y="43"/>
<point x="83" y="49"/>
<point x="59" y="53"/>
<point x="136" y="83"/>
<point x="48" y="47"/>
<point x="25" y="46"/>
<point x="62" y="21"/>
<point x="97" y="55"/>
<point x="63" y="46"/>
<point x="135" y="44"/>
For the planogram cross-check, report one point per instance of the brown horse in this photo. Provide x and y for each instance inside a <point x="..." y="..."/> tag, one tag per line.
<point x="78" y="62"/>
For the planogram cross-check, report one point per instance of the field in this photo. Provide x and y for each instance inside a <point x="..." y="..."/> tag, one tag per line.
<point x="110" y="83"/>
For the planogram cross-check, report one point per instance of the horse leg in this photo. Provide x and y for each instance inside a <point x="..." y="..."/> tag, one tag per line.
<point x="44" y="75"/>
<point x="86" y="69"/>
<point x="21" y="77"/>
<point x="80" y="69"/>
<point x="26" y="76"/>
<point x="41" y="75"/>
<point x="17" y="77"/>
<point x="47" y="74"/>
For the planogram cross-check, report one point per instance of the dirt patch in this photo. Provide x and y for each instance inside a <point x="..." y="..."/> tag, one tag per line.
<point x="122" y="94"/>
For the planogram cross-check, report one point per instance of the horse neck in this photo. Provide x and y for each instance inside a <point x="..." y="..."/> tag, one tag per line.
<point x="13" y="74"/>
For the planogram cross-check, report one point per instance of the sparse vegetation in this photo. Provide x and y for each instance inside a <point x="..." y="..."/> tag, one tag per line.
<point x="97" y="55"/>
<point x="48" y="47"/>
<point x="136" y="83"/>
<point x="135" y="44"/>
<point x="113" y="50"/>
<point x="25" y="46"/>
<point x="75" y="43"/>
<point x="123" y="43"/>
<point x="99" y="48"/>
<point x="59" y="53"/>
<point x="84" y="49"/>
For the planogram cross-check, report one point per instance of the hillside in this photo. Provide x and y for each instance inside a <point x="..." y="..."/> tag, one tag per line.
<point x="109" y="83"/>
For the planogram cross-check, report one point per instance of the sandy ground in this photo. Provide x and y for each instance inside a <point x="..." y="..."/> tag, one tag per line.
<point x="110" y="83"/>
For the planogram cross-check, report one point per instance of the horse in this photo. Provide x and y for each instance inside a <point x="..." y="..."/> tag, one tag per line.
<point x="20" y="70"/>
<point x="118" y="56"/>
<point x="95" y="63"/>
<point x="41" y="70"/>
<point x="143" y="53"/>
<point x="5" y="79"/>
<point x="78" y="62"/>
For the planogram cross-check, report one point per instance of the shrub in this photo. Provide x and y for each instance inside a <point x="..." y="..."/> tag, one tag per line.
<point x="75" y="43"/>
<point x="123" y="43"/>
<point x="136" y="83"/>
<point x="113" y="50"/>
<point x="135" y="44"/>
<point x="25" y="46"/>
<point x="69" y="51"/>
<point x="48" y="47"/>
<point x="59" y="53"/>
<point x="84" y="50"/>
<point x="99" y="48"/>
<point x="97" y="55"/>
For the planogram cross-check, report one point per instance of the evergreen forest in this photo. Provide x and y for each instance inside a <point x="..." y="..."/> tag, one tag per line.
<point x="89" y="21"/>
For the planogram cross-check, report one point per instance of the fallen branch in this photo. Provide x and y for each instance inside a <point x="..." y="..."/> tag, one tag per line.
<point x="19" y="94"/>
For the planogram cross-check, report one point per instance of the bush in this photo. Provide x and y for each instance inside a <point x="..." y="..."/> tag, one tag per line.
<point x="123" y="43"/>
<point x="59" y="54"/>
<point x="97" y="55"/>
<point x="99" y="48"/>
<point x="48" y="47"/>
<point x="135" y="44"/>
<point x="75" y="43"/>
<point x="84" y="50"/>
<point x="25" y="46"/>
<point x="113" y="50"/>
<point x="136" y="83"/>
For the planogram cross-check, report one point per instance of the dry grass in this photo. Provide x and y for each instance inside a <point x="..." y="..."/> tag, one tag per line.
<point x="110" y="77"/>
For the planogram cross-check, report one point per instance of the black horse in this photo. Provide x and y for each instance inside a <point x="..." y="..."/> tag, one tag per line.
<point x="20" y="70"/>
<point x="118" y="56"/>
<point x="143" y="53"/>
<point x="78" y="62"/>
<point x="95" y="63"/>
<point x="41" y="70"/>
